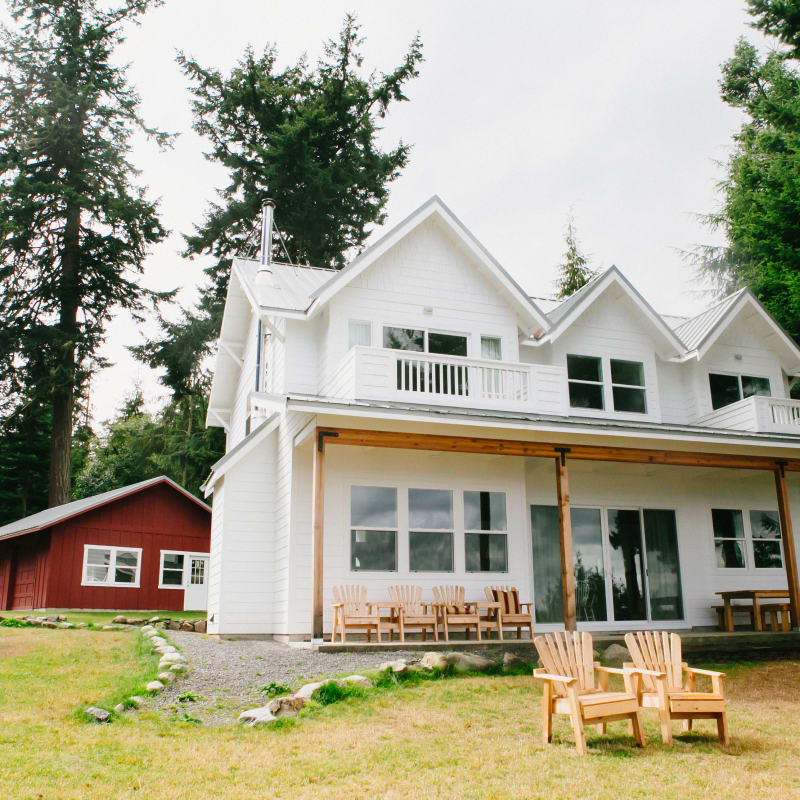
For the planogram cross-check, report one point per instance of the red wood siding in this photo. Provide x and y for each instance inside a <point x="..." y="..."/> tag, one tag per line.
<point x="45" y="569"/>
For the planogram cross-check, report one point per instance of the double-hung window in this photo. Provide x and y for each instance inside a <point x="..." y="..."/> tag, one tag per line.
<point x="430" y="530"/>
<point x="485" y="532"/>
<point x="727" y="389"/>
<point x="172" y="565"/>
<point x="585" y="377"/>
<point x="373" y="528"/>
<point x="741" y="541"/>
<point x="627" y="386"/>
<point x="111" y="566"/>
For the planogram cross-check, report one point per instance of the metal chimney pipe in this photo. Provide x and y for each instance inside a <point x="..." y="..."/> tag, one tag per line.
<point x="267" y="217"/>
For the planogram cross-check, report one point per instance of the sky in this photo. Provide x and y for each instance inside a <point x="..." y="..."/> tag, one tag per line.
<point x="523" y="112"/>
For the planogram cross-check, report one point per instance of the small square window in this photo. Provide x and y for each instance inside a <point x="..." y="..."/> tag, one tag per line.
<point x="755" y="386"/>
<point x="359" y="334"/>
<point x="724" y="390"/>
<point x="491" y="348"/>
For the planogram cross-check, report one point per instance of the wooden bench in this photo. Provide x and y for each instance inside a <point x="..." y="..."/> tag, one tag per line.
<point x="776" y="611"/>
<point x="734" y="610"/>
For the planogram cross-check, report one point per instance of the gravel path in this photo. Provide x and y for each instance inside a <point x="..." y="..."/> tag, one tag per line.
<point x="227" y="674"/>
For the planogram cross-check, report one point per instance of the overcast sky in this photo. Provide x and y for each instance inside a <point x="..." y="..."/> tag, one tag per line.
<point x="522" y="111"/>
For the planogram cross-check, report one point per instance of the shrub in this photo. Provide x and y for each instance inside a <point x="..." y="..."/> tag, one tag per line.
<point x="332" y="692"/>
<point x="14" y="623"/>
<point x="273" y="689"/>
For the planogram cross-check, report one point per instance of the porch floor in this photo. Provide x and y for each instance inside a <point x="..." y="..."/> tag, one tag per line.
<point x="715" y="645"/>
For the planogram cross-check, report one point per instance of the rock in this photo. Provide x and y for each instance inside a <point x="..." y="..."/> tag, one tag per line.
<point x="154" y="686"/>
<point x="434" y="661"/>
<point x="511" y="661"/>
<point x="119" y="708"/>
<point x="285" y="706"/>
<point x="304" y="692"/>
<point x="82" y="625"/>
<point x="187" y="626"/>
<point x="614" y="655"/>
<point x="257" y="716"/>
<point x="65" y="625"/>
<point x="172" y="658"/>
<point x="469" y="662"/>
<point x="174" y="625"/>
<point x="177" y="668"/>
<point x="48" y="624"/>
<point x="136" y="701"/>
<point x="166" y="677"/>
<point x="135" y="622"/>
<point x="50" y="618"/>
<point x="357" y="680"/>
<point x="394" y="666"/>
<point x="147" y="628"/>
<point x="153" y="620"/>
<point x="119" y="619"/>
<point x="61" y="618"/>
<point x="200" y="626"/>
<point x="108" y="628"/>
<point x="98" y="714"/>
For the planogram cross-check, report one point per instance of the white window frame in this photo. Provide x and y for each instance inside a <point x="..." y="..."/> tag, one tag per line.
<point x="112" y="566"/>
<point x="639" y="387"/>
<point x="492" y="532"/>
<point x="351" y="322"/>
<point x="738" y="375"/>
<point x="600" y="383"/>
<point x="425" y="333"/>
<point x="451" y="530"/>
<point x="350" y="528"/>
<point x="747" y="528"/>
<point x="187" y="557"/>
<point x="650" y="386"/>
<point x="498" y="339"/>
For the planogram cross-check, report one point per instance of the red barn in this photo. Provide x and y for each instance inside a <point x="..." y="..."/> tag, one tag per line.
<point x="143" y="546"/>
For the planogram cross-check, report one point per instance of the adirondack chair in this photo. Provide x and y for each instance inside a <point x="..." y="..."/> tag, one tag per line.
<point x="455" y="612"/>
<point x="569" y="688"/>
<point x="658" y="655"/>
<point x="413" y="613"/>
<point x="352" y="612"/>
<point x="513" y="613"/>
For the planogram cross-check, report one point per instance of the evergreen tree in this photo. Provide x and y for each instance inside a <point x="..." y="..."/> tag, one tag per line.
<point x="74" y="228"/>
<point x="574" y="271"/>
<point x="761" y="189"/>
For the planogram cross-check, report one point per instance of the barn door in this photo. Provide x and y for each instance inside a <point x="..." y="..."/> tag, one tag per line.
<point x="23" y="578"/>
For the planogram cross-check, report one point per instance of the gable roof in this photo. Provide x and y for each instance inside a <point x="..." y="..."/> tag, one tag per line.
<point x="570" y="309"/>
<point x="701" y="332"/>
<point x="52" y="516"/>
<point x="435" y="206"/>
<point x="291" y="288"/>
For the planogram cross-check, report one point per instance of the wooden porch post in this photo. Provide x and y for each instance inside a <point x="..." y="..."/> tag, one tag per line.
<point x="789" y="555"/>
<point x="317" y="515"/>
<point x="565" y="539"/>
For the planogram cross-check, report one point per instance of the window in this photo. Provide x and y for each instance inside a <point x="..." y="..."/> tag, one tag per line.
<point x="765" y="527"/>
<point x="727" y="389"/>
<point x="422" y="341"/>
<point x="430" y="526"/>
<point x="359" y="333"/>
<point x="171" y="570"/>
<point x="373" y="528"/>
<point x="728" y="537"/>
<point x="585" y="374"/>
<point x="491" y="348"/>
<point x="627" y="386"/>
<point x="485" y="532"/>
<point x="448" y="344"/>
<point x="198" y="573"/>
<point x="111" y="566"/>
<point x="404" y="339"/>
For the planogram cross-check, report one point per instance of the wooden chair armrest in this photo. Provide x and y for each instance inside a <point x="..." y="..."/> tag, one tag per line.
<point x="546" y="676"/>
<point x="624" y="671"/>
<point x="484" y="604"/>
<point x="709" y="672"/>
<point x="526" y="605"/>
<point x="337" y="605"/>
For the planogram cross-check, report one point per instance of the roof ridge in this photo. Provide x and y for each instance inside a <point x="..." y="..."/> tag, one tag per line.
<point x="726" y="299"/>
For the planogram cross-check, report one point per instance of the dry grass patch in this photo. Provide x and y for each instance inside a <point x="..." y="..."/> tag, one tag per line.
<point x="460" y="738"/>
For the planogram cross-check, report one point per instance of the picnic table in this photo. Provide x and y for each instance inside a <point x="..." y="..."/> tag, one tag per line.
<point x="755" y="596"/>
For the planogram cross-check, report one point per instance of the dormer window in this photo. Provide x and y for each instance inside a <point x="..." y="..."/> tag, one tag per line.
<point x="627" y="386"/>
<point x="585" y="375"/>
<point x="587" y="386"/>
<point x="727" y="389"/>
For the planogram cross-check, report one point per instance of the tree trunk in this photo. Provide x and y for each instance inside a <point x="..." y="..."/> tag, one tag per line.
<point x="60" y="483"/>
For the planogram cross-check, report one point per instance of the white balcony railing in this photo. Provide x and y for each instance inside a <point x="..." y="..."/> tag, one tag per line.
<point x="758" y="414"/>
<point x="374" y="373"/>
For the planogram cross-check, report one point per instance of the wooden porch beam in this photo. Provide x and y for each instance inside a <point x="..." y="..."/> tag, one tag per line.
<point x="789" y="556"/>
<point x="565" y="541"/>
<point x="580" y="452"/>
<point x="317" y="516"/>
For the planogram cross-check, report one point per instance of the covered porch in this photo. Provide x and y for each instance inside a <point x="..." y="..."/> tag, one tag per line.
<point x="607" y="480"/>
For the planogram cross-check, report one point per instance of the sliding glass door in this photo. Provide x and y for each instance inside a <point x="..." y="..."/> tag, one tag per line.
<point x="625" y="563"/>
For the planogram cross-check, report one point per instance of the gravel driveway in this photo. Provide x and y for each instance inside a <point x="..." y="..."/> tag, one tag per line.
<point x="227" y="674"/>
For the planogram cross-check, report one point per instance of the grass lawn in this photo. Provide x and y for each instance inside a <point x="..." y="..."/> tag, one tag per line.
<point x="457" y="738"/>
<point x="105" y="617"/>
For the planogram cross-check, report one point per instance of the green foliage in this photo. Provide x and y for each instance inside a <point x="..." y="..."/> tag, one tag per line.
<point x="189" y="697"/>
<point x="273" y="689"/>
<point x="332" y="692"/>
<point x="14" y="623"/>
<point x="74" y="227"/>
<point x="761" y="189"/>
<point x="574" y="271"/>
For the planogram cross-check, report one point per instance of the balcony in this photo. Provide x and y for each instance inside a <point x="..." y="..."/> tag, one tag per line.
<point x="757" y="414"/>
<point x="373" y="373"/>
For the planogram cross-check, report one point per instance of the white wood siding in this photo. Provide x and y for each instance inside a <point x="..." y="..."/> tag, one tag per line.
<point x="245" y="385"/>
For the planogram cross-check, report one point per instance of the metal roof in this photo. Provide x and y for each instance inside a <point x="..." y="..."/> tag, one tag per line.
<point x="693" y="331"/>
<point x="561" y="310"/>
<point x="292" y="287"/>
<point x="52" y="516"/>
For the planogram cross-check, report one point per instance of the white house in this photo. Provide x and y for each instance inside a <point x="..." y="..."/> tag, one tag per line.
<point x="417" y="417"/>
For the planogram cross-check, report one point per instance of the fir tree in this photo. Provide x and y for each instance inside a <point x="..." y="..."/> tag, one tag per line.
<point x="574" y="271"/>
<point x="74" y="227"/>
